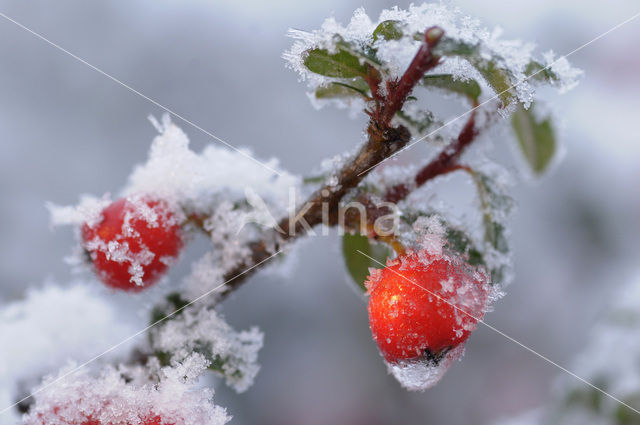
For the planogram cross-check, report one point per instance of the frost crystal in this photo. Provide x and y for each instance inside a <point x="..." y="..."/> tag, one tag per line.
<point x="419" y="375"/>
<point x="50" y="326"/>
<point x="230" y="353"/>
<point x="126" y="396"/>
<point x="198" y="181"/>
<point x="87" y="211"/>
<point x="394" y="55"/>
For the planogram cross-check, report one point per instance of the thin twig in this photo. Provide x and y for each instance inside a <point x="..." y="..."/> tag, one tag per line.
<point x="444" y="163"/>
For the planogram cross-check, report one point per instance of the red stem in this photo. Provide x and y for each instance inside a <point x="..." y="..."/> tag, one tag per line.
<point x="423" y="61"/>
<point x="444" y="163"/>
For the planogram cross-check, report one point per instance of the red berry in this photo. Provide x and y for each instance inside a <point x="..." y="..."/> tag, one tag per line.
<point x="156" y="420"/>
<point x="133" y="243"/>
<point x="417" y="305"/>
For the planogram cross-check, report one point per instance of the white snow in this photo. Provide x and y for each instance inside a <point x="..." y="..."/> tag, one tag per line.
<point x="197" y="181"/>
<point x="212" y="186"/>
<point x="512" y="55"/>
<point x="111" y="399"/>
<point x="50" y="326"/>
<point x="88" y="211"/>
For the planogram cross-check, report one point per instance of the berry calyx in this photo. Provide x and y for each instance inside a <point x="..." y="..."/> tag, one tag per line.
<point x="133" y="243"/>
<point x="422" y="305"/>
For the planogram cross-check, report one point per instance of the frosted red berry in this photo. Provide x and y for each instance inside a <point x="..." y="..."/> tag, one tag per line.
<point x="133" y="242"/>
<point x="89" y="420"/>
<point x="421" y="305"/>
<point x="156" y="420"/>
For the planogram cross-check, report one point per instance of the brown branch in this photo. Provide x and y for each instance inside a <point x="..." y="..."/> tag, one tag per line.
<point x="380" y="145"/>
<point x="383" y="142"/>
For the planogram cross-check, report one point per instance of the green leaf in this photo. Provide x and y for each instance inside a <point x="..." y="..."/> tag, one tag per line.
<point x="366" y="56"/>
<point x="626" y="416"/>
<point x="456" y="239"/>
<point x="450" y="47"/>
<point x="499" y="79"/>
<point x="342" y="64"/>
<point x="357" y="264"/>
<point x="463" y="245"/>
<point x="536" y="138"/>
<point x="589" y="398"/>
<point x="418" y="124"/>
<point x="173" y="303"/>
<point x="537" y="72"/>
<point x="469" y="88"/>
<point x="231" y="364"/>
<point x="356" y="87"/>
<point x="495" y="235"/>
<point x="496" y="205"/>
<point x="388" y="30"/>
<point x="314" y="179"/>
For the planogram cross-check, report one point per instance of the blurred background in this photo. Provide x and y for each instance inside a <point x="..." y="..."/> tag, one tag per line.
<point x="67" y="130"/>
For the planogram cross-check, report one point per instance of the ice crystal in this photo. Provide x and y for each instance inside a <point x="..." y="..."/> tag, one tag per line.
<point x="126" y="396"/>
<point x="232" y="354"/>
<point x="514" y="56"/>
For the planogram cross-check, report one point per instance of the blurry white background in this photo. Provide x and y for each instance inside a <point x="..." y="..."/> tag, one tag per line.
<point x="67" y="130"/>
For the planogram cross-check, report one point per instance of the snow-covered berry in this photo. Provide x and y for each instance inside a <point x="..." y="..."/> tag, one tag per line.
<point x="422" y="305"/>
<point x="134" y="242"/>
<point x="90" y="420"/>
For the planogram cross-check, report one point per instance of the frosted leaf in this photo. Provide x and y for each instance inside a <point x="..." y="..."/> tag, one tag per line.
<point x="126" y="396"/>
<point x="567" y="77"/>
<point x="420" y="375"/>
<point x="430" y="234"/>
<point x="205" y="277"/>
<point x="496" y="206"/>
<point x="230" y="231"/>
<point x="224" y="227"/>
<point x="513" y="58"/>
<point x="231" y="354"/>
